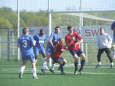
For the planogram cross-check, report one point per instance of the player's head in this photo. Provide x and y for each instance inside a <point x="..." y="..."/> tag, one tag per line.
<point x="41" y="32"/>
<point x="70" y="29"/>
<point x="113" y="26"/>
<point x="25" y="30"/>
<point x="57" y="29"/>
<point x="102" y="30"/>
<point x="62" y="40"/>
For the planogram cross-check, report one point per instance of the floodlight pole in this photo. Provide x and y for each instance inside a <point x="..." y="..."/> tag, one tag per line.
<point x="49" y="18"/>
<point x="49" y="27"/>
<point x="18" y="26"/>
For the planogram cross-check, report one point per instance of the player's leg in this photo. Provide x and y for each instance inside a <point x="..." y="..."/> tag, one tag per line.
<point x="62" y="62"/>
<point x="82" y="57"/>
<point x="75" y="57"/>
<point x="36" y="53"/>
<point x="22" y="68"/>
<point x="108" y="52"/>
<point x="45" y="61"/>
<point x="100" y="51"/>
<point x="34" y="71"/>
<point x="49" y="52"/>
<point x="75" y="63"/>
<point x="51" y="69"/>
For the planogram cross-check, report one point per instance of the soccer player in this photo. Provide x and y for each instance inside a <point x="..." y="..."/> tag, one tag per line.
<point x="56" y="56"/>
<point x="73" y="40"/>
<point x="53" y="39"/>
<point x="39" y="47"/>
<point x="26" y="43"/>
<point x="104" y="42"/>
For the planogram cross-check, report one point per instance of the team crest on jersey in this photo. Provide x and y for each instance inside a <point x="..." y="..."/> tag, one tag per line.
<point x="73" y="38"/>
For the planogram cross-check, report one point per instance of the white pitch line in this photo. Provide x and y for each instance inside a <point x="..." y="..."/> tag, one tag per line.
<point x="89" y="73"/>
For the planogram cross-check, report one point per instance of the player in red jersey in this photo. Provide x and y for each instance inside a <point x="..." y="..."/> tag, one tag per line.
<point x="73" y="40"/>
<point x="56" y="56"/>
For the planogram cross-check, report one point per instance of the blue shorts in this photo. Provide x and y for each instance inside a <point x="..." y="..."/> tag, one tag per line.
<point x="78" y="52"/>
<point x="28" y="57"/>
<point x="56" y="60"/>
<point x="38" y="51"/>
<point x="49" y="50"/>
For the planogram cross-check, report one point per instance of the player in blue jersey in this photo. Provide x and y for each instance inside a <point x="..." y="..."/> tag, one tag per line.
<point x="39" y="48"/>
<point x="26" y="43"/>
<point x="52" y="41"/>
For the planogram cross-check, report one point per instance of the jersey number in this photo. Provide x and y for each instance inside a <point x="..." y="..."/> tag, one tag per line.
<point x="24" y="43"/>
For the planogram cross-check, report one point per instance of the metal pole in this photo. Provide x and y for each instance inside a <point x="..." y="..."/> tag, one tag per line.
<point x="81" y="22"/>
<point x="86" y="52"/>
<point x="18" y="26"/>
<point x="8" y="45"/>
<point x="49" y="26"/>
<point x="49" y="18"/>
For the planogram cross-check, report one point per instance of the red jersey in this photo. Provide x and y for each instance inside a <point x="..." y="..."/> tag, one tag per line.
<point x="59" y="47"/>
<point x="71" y="39"/>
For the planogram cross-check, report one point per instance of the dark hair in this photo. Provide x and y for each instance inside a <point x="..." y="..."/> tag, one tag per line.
<point x="69" y="27"/>
<point x="41" y="30"/>
<point x="24" y="30"/>
<point x="57" y="27"/>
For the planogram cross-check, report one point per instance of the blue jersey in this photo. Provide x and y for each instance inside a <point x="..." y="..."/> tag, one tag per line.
<point x="54" y="37"/>
<point x="25" y="43"/>
<point x="40" y="40"/>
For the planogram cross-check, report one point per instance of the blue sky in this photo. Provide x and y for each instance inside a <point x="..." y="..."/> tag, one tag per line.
<point x="35" y="5"/>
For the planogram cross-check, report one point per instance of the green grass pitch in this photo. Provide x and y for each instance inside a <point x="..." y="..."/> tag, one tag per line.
<point x="103" y="76"/>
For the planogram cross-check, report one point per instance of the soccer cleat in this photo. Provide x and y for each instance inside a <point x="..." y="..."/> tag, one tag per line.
<point x="78" y="73"/>
<point x="98" y="64"/>
<point x="35" y="77"/>
<point x="20" y="75"/>
<point x="111" y="65"/>
<point x="52" y="71"/>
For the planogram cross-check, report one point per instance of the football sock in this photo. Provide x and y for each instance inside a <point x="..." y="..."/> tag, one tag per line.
<point x="61" y="68"/>
<point x="82" y="65"/>
<point x="34" y="71"/>
<point x="44" y="65"/>
<point x="76" y="66"/>
<point x="22" y="69"/>
<point x="52" y="67"/>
